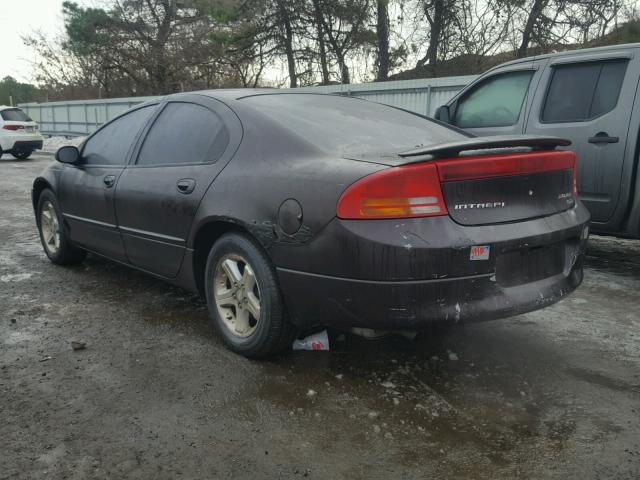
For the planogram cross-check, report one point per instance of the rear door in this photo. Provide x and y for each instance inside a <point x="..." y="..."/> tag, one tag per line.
<point x="182" y="152"/>
<point x="588" y="98"/>
<point x="86" y="193"/>
<point x="497" y="103"/>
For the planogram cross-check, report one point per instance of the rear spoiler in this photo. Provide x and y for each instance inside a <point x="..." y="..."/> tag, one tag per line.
<point x="453" y="149"/>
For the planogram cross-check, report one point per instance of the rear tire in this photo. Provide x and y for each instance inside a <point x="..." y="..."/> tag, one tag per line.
<point x="53" y="235"/>
<point x="244" y="298"/>
<point x="22" y="154"/>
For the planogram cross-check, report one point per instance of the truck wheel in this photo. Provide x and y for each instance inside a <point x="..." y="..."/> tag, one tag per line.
<point x="53" y="236"/>
<point x="244" y="298"/>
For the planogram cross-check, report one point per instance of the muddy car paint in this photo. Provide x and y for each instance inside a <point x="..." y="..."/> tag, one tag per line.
<point x="283" y="189"/>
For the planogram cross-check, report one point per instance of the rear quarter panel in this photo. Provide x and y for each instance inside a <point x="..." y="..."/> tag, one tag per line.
<point x="271" y="166"/>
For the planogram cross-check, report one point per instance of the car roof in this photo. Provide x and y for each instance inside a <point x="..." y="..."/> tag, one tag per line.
<point x="9" y="107"/>
<point x="567" y="53"/>
<point x="231" y="94"/>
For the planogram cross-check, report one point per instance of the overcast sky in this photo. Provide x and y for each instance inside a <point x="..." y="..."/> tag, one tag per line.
<point x="21" y="17"/>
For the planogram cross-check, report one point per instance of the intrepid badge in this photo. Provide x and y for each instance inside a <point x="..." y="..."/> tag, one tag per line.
<point x="480" y="252"/>
<point x="468" y="206"/>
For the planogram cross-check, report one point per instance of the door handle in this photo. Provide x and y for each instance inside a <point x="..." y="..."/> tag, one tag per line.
<point x="109" y="180"/>
<point x="603" y="137"/>
<point x="186" y="185"/>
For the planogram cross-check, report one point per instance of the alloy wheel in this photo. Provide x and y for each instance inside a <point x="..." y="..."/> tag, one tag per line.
<point x="50" y="228"/>
<point x="237" y="295"/>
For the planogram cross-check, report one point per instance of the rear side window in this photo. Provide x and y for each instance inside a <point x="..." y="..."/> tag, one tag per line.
<point x="15" y="115"/>
<point x="184" y="133"/>
<point x="110" y="145"/>
<point x="496" y="102"/>
<point x="583" y="91"/>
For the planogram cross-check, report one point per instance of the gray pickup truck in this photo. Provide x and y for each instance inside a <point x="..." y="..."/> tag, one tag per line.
<point x="589" y="96"/>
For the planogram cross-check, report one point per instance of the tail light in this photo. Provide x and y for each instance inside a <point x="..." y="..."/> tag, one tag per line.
<point x="398" y="192"/>
<point x="12" y="127"/>
<point x="414" y="190"/>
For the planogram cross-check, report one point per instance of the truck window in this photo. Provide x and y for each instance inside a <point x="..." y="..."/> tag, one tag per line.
<point x="583" y="91"/>
<point x="495" y="102"/>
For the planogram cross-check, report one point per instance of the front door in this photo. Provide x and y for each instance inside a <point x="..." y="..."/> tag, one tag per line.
<point x="158" y="195"/>
<point x="86" y="194"/>
<point x="588" y="98"/>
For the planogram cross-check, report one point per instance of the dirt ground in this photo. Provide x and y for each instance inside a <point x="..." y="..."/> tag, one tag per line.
<point x="551" y="394"/>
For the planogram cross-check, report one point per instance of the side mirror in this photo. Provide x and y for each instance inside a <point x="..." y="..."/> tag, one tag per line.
<point x="68" y="154"/>
<point x="443" y="114"/>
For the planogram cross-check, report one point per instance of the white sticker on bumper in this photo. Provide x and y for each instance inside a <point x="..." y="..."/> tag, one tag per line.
<point x="480" y="252"/>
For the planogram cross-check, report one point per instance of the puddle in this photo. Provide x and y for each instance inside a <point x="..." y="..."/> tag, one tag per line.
<point x="399" y="391"/>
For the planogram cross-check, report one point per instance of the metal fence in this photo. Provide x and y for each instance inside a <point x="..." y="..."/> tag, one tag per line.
<point x="79" y="117"/>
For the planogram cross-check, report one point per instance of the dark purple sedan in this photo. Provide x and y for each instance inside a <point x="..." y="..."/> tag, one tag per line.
<point x="290" y="211"/>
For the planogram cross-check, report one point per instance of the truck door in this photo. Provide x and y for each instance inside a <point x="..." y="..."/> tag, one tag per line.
<point x="588" y="98"/>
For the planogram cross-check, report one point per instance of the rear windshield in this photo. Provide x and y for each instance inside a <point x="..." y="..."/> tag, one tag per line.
<point x="349" y="125"/>
<point x="14" y="115"/>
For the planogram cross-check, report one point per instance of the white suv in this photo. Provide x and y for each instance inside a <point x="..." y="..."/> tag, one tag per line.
<point x="19" y="135"/>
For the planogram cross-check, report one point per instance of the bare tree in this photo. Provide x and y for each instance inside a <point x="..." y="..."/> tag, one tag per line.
<point x="138" y="47"/>
<point x="345" y="27"/>
<point x="483" y="28"/>
<point x="382" y="34"/>
<point x="440" y="16"/>
<point x="320" y="37"/>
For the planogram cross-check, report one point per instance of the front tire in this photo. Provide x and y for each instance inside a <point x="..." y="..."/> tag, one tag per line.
<point x="53" y="236"/>
<point x="22" y="154"/>
<point x="244" y="298"/>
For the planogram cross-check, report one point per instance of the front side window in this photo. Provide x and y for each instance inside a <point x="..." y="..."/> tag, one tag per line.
<point x="110" y="145"/>
<point x="583" y="91"/>
<point x="184" y="133"/>
<point x="496" y="102"/>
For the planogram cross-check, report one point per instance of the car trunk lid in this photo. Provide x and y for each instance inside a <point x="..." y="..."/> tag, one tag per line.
<point x="491" y="179"/>
<point x="507" y="187"/>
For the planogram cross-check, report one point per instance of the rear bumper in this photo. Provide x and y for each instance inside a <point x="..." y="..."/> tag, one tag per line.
<point x="28" y="144"/>
<point x="491" y="289"/>
<point x="412" y="305"/>
<point x="33" y="142"/>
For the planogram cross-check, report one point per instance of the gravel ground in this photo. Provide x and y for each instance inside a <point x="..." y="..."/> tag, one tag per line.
<point x="550" y="394"/>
